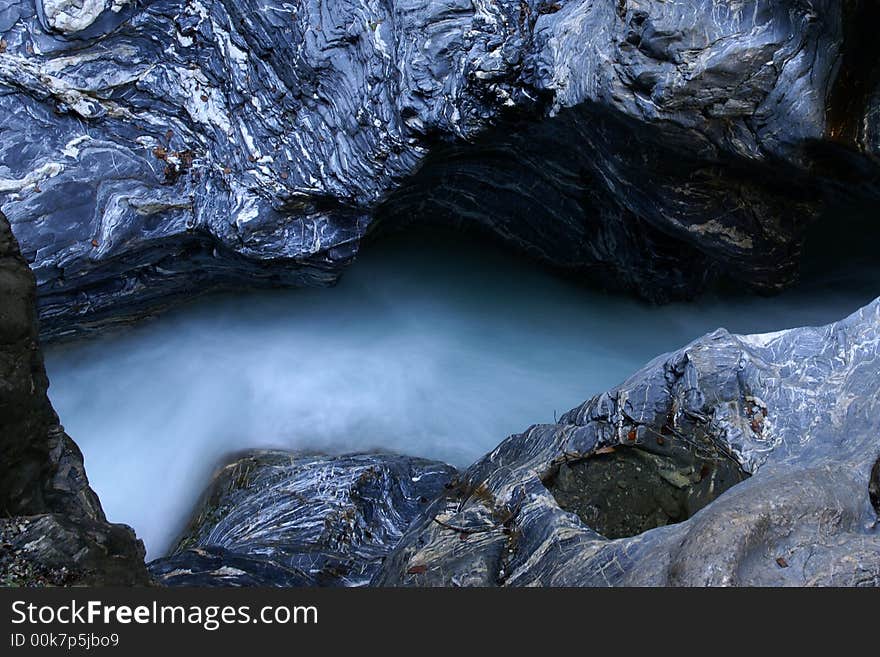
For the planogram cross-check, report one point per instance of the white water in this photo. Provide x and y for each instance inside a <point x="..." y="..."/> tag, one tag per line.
<point x="424" y="348"/>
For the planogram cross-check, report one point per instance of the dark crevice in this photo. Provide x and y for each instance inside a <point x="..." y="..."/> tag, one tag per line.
<point x="874" y="487"/>
<point x="859" y="72"/>
<point x="631" y="490"/>
<point x="840" y="254"/>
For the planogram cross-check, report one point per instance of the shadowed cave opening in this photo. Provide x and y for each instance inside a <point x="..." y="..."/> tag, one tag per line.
<point x="625" y="491"/>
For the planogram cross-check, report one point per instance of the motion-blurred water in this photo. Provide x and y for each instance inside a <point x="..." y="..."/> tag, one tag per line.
<point x="425" y="348"/>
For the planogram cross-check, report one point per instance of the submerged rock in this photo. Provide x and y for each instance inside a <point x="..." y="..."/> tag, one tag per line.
<point x="157" y="150"/>
<point x="52" y="527"/>
<point x="796" y="410"/>
<point x="281" y="519"/>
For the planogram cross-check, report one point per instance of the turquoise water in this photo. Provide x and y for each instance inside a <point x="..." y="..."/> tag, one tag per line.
<point x="425" y="348"/>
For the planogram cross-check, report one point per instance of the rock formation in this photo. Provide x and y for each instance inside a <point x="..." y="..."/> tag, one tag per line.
<point x="159" y="149"/>
<point x="52" y="528"/>
<point x="278" y="519"/>
<point x="757" y="456"/>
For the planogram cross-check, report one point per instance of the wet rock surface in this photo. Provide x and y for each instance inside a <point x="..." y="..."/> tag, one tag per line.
<point x="796" y="410"/>
<point x="157" y="150"/>
<point x="53" y="530"/>
<point x="281" y="519"/>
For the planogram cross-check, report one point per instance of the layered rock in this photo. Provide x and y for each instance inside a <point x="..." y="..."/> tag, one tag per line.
<point x="156" y="150"/>
<point x="52" y="528"/>
<point x="744" y="460"/>
<point x="280" y="519"/>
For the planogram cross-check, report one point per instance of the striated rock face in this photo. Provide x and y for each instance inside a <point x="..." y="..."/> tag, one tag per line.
<point x="280" y="519"/>
<point x="154" y="150"/>
<point x="796" y="410"/>
<point x="52" y="528"/>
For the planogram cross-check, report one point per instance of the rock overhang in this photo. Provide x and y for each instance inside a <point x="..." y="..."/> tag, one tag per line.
<point x="275" y="138"/>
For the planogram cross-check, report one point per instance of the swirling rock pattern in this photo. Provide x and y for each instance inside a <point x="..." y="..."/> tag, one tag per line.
<point x="156" y="149"/>
<point x="280" y="519"/>
<point x="798" y="410"/>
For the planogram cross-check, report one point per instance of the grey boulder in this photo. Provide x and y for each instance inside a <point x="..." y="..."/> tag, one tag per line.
<point x="280" y="519"/>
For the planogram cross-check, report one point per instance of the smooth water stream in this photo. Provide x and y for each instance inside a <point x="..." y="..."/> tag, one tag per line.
<point x="425" y="348"/>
